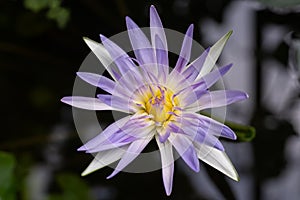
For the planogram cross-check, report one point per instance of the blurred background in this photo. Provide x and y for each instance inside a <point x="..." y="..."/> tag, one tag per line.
<point x="41" y="48"/>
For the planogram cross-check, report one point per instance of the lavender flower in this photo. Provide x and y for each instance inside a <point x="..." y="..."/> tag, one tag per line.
<point x="161" y="104"/>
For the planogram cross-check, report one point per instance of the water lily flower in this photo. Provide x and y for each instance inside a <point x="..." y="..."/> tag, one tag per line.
<point x="161" y="104"/>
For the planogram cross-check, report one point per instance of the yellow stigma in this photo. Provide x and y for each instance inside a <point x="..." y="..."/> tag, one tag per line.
<point x="159" y="102"/>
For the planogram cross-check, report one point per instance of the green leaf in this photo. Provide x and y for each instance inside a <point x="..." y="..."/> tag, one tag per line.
<point x="36" y="5"/>
<point x="73" y="187"/>
<point x="60" y="15"/>
<point x="244" y="133"/>
<point x="7" y="166"/>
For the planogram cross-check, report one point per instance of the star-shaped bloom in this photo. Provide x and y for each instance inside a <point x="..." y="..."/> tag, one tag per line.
<point x="161" y="104"/>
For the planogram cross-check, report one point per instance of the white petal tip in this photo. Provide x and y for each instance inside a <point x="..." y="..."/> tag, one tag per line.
<point x="84" y="173"/>
<point x="66" y="100"/>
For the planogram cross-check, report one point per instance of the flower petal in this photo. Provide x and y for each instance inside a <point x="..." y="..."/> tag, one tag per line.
<point x="117" y="103"/>
<point x="201" y="87"/>
<point x="102" y="54"/>
<point x="134" y="149"/>
<point x="119" y="56"/>
<point x="88" y="103"/>
<point x="140" y="43"/>
<point x="103" y="159"/>
<point x="105" y="134"/>
<point x="217" y="159"/>
<point x="186" y="150"/>
<point x="214" y="54"/>
<point x="192" y="70"/>
<point x="212" y="77"/>
<point x="157" y="30"/>
<point x="98" y="81"/>
<point x="161" y="59"/>
<point x="167" y="161"/>
<point x="217" y="99"/>
<point x="185" y="52"/>
<point x="195" y="131"/>
<point x="125" y="135"/>
<point x="212" y="126"/>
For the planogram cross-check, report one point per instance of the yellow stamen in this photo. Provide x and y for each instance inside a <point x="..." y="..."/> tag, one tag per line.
<point x="158" y="103"/>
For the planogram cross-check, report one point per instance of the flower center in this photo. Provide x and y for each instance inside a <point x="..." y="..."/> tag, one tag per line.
<point x="159" y="102"/>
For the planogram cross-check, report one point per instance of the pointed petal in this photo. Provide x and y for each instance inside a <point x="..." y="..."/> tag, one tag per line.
<point x="202" y="136"/>
<point x="118" y="55"/>
<point x="88" y="103"/>
<point x="103" y="159"/>
<point x="212" y="77"/>
<point x="186" y="150"/>
<point x="217" y="99"/>
<point x="185" y="52"/>
<point x="217" y="159"/>
<point x="140" y="43"/>
<point x="167" y="160"/>
<point x="134" y="149"/>
<point x="102" y="54"/>
<point x="125" y="135"/>
<point x="98" y="81"/>
<point x="192" y="70"/>
<point x="161" y="59"/>
<point x="212" y="126"/>
<point x="105" y="134"/>
<point x="157" y="30"/>
<point x="201" y="87"/>
<point x="118" y="103"/>
<point x="214" y="54"/>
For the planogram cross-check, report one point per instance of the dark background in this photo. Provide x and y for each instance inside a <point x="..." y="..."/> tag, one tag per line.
<point x="41" y="48"/>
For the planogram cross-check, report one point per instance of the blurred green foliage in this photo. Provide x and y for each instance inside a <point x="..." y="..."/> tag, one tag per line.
<point x="244" y="133"/>
<point x="73" y="188"/>
<point x="55" y="11"/>
<point x="7" y="186"/>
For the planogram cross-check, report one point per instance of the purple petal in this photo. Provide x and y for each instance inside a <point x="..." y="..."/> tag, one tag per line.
<point x="212" y="126"/>
<point x="185" y="52"/>
<point x="186" y="150"/>
<point x="98" y="81"/>
<point x="131" y="81"/>
<point x="157" y="30"/>
<point x="88" y="103"/>
<point x="118" y="103"/>
<point x="212" y="77"/>
<point x="201" y="136"/>
<point x="155" y="19"/>
<point x="133" y="151"/>
<point x="195" y="67"/>
<point x="140" y="43"/>
<point x="125" y="135"/>
<point x="217" y="99"/>
<point x="163" y="134"/>
<point x="197" y="133"/>
<point x="167" y="161"/>
<point x="119" y="56"/>
<point x="161" y="58"/>
<point x="115" y="145"/>
<point x="107" y="133"/>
